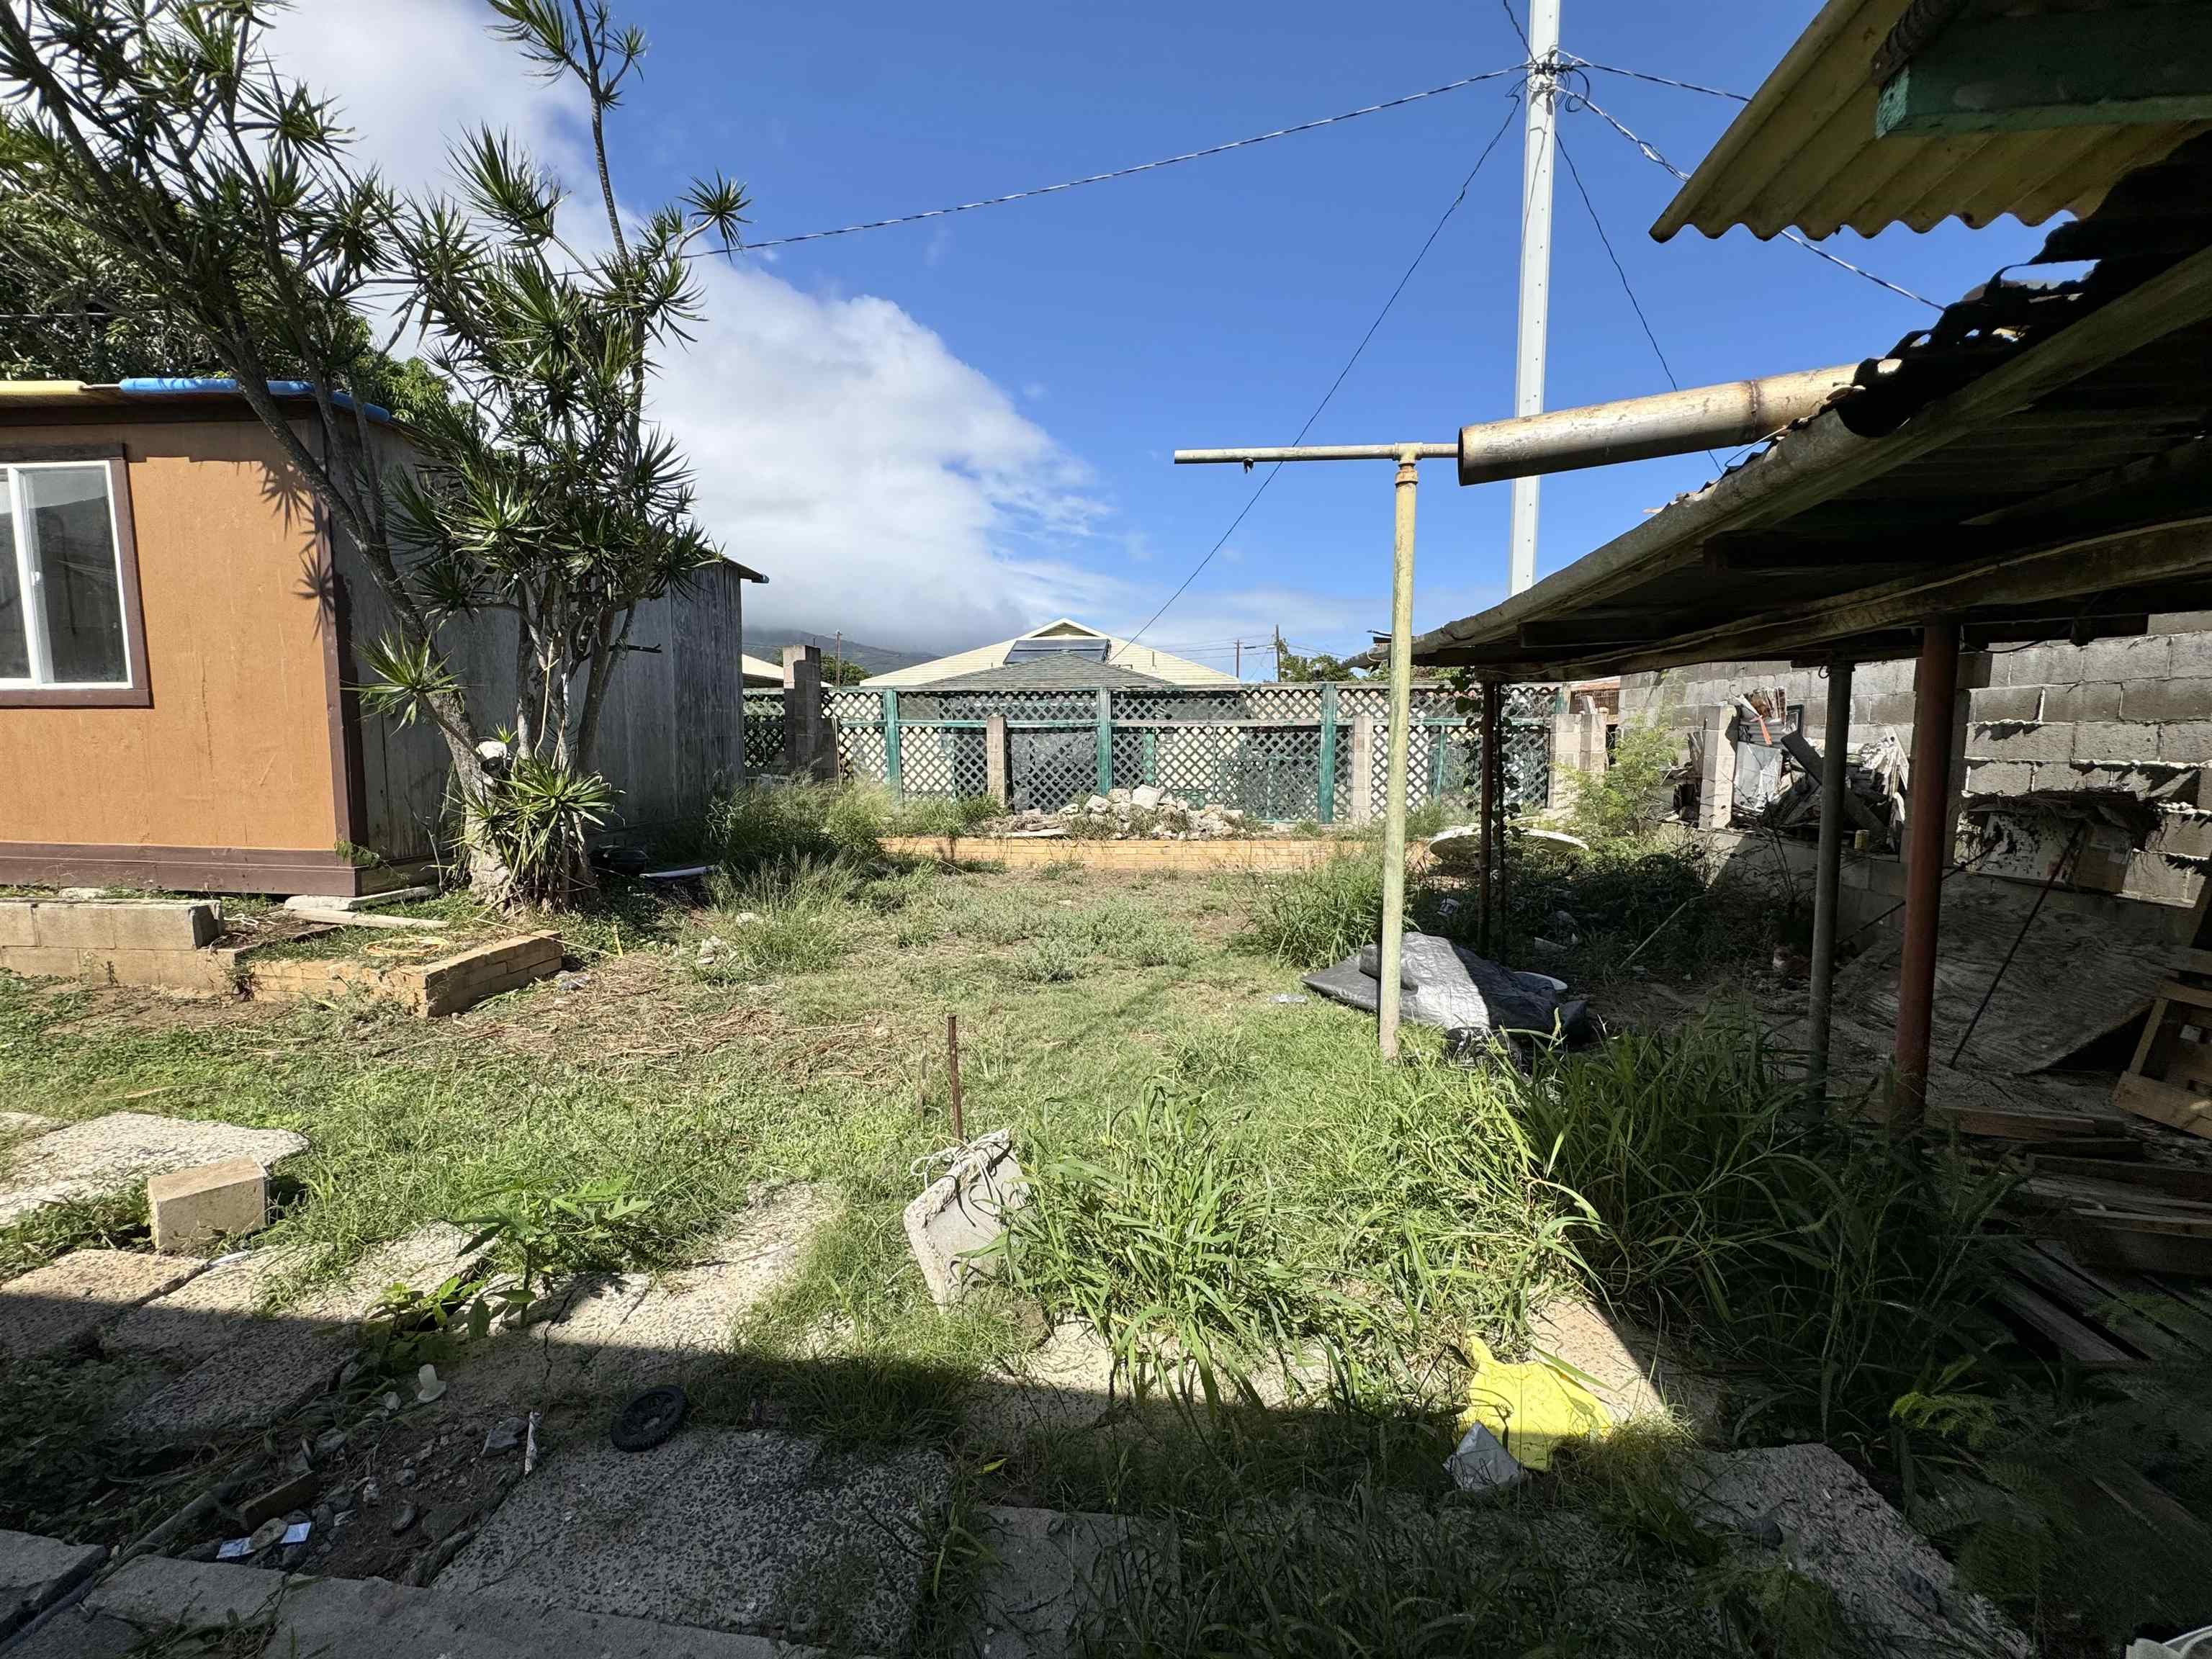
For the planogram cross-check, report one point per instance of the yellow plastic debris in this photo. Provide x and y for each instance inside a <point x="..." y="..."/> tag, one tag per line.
<point x="1531" y="1406"/>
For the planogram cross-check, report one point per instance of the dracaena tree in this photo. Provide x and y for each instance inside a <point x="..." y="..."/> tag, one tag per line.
<point x="540" y="505"/>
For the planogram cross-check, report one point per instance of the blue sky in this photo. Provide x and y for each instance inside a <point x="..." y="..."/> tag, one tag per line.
<point x="930" y="435"/>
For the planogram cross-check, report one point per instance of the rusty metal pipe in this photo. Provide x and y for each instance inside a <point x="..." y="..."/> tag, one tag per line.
<point x="1928" y="853"/>
<point x="1317" y="452"/>
<point x="1636" y="428"/>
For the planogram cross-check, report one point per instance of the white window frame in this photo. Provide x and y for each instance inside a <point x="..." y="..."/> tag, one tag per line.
<point x="31" y="583"/>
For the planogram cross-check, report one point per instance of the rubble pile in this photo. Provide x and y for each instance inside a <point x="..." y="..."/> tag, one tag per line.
<point x="1144" y="813"/>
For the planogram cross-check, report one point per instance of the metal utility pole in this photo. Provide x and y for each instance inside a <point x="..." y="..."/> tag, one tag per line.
<point x="1535" y="269"/>
<point x="1240" y="660"/>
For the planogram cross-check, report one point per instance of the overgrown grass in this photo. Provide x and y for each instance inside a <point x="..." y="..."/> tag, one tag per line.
<point x="112" y="1221"/>
<point x="1840" y="1270"/>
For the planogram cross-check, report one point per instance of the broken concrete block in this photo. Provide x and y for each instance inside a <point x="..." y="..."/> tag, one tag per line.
<point x="1838" y="1531"/>
<point x="740" y="1530"/>
<point x="195" y="1207"/>
<point x="36" y="1572"/>
<point x="963" y="1212"/>
<point x="313" y="902"/>
<point x="1145" y="797"/>
<point x="106" y="1154"/>
<point x="1046" y="1571"/>
<point x="60" y="1305"/>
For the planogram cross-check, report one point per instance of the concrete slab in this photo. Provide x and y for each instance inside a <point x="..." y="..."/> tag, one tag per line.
<point x="35" y="1572"/>
<point x="615" y="1333"/>
<point x="105" y="1154"/>
<point x="1838" y="1532"/>
<point x="22" y="1125"/>
<point x="63" y="1303"/>
<point x="1633" y="1374"/>
<point x="962" y="1212"/>
<point x="1068" y="1381"/>
<point x="746" y="1531"/>
<point x="1046" y="1571"/>
<point x="255" y="1354"/>
<point x="354" y="1619"/>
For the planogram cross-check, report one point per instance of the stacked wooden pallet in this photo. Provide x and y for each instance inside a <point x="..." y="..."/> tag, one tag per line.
<point x="2129" y="1215"/>
<point x="2170" y="1080"/>
<point x="2098" y="1317"/>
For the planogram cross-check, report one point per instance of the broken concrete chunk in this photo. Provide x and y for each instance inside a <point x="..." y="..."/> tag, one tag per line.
<point x="1048" y="1571"/>
<point x="1838" y="1532"/>
<point x="107" y="1154"/>
<point x="198" y="1205"/>
<point x="36" y="1572"/>
<point x="61" y="1304"/>
<point x="1145" y="797"/>
<point x="962" y="1212"/>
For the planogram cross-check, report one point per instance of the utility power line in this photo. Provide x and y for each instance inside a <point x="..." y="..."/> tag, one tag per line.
<point x="1513" y="103"/>
<point x="1622" y="271"/>
<point x="1125" y="172"/>
<point x="1574" y="61"/>
<point x="1585" y="101"/>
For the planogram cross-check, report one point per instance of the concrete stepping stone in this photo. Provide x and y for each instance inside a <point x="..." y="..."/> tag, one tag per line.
<point x="106" y="1154"/>
<point x="59" y="1305"/>
<point x="35" y="1572"/>
<point x="1631" y="1373"/>
<point x="354" y="1619"/>
<point x="1838" y="1531"/>
<point x="249" y="1354"/>
<point x="749" y="1531"/>
<point x="1048" y="1569"/>
<point x="618" y="1332"/>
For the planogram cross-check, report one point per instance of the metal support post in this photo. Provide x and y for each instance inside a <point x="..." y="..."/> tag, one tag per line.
<point x="1827" y="881"/>
<point x="1928" y="848"/>
<point x="1401" y="704"/>
<point x="894" y="774"/>
<point x="1105" y="740"/>
<point x="1325" y="785"/>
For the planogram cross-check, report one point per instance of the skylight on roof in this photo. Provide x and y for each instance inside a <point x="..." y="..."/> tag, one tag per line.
<point x="1031" y="649"/>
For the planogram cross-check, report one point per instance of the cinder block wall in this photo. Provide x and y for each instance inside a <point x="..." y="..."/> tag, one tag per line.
<point x="2128" y="713"/>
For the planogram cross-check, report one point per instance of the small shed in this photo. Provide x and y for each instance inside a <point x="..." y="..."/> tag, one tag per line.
<point x="178" y="668"/>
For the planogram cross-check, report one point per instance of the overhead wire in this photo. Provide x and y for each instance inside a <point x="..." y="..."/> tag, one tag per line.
<point x="1513" y="105"/>
<point x="1622" y="271"/>
<point x="1583" y="99"/>
<point x="1656" y="80"/>
<point x="1128" y="172"/>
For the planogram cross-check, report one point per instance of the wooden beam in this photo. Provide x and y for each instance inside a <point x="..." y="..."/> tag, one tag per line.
<point x="2032" y="71"/>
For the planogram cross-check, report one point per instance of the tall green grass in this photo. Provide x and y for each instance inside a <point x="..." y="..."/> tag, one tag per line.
<point x="1834" y="1269"/>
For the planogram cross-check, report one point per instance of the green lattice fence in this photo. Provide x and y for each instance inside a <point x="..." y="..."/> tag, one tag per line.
<point x="764" y="730"/>
<point x="1281" y="752"/>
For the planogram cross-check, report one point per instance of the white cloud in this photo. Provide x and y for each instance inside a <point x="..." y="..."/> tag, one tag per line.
<point x="885" y="487"/>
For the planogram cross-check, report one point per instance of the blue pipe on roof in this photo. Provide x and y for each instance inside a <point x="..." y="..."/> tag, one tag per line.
<point x="167" y="385"/>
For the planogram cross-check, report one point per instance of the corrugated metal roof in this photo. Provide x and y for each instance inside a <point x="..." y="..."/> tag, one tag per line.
<point x="2038" y="464"/>
<point x="1803" y="153"/>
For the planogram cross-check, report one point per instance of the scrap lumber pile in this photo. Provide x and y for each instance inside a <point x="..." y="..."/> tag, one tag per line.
<point x="2170" y="1080"/>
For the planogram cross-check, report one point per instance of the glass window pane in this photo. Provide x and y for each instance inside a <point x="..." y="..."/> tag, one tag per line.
<point x="83" y="601"/>
<point x="15" y="644"/>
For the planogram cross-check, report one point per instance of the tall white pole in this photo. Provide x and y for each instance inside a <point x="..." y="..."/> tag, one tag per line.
<point x="1536" y="268"/>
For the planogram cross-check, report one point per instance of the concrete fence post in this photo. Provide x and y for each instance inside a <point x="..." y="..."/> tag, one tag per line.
<point x="995" y="760"/>
<point x="1325" y="784"/>
<point x="894" y="765"/>
<point x="1363" y="768"/>
<point x="809" y="752"/>
<point x="1105" y="740"/>
<point x="1717" y="770"/>
<point x="1569" y="754"/>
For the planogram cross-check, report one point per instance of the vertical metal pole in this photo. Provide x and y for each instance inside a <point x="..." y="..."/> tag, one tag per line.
<point x="1827" y="880"/>
<point x="1393" y="807"/>
<point x="1492" y="699"/>
<point x="952" y="1075"/>
<point x="1928" y="837"/>
<point x="1325" y="788"/>
<point x="894" y="774"/>
<point x="1105" y="740"/>
<point x="1535" y="267"/>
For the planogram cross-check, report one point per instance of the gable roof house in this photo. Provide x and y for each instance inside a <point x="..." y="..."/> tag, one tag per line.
<point x="179" y="671"/>
<point x="1092" y="657"/>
